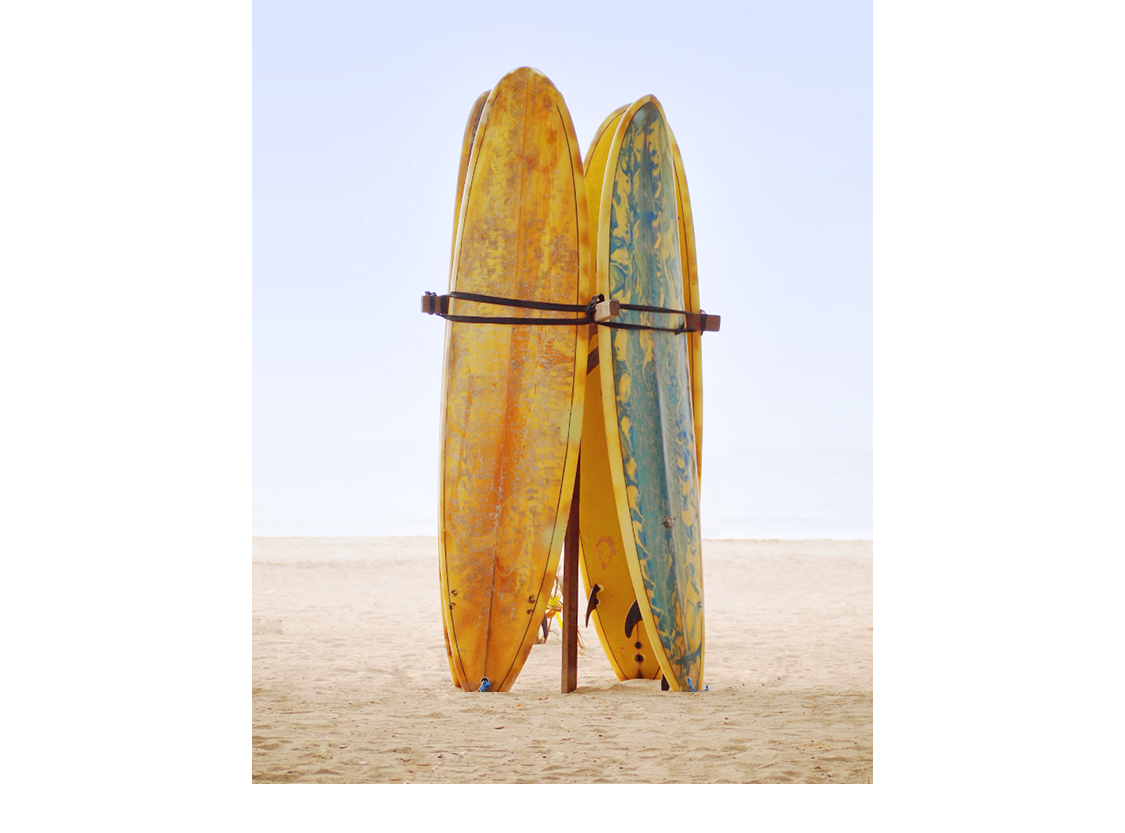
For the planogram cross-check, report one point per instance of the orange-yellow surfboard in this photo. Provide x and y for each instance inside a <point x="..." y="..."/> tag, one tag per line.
<point x="512" y="395"/>
<point x="624" y="639"/>
<point x="466" y="153"/>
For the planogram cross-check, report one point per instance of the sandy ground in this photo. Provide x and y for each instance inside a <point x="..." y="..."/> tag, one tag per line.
<point x="351" y="683"/>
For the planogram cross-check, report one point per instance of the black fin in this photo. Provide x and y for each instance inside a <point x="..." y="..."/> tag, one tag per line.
<point x="632" y="618"/>
<point x="592" y="603"/>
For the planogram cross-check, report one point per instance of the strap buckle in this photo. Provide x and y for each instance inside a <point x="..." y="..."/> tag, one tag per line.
<point x="434" y="304"/>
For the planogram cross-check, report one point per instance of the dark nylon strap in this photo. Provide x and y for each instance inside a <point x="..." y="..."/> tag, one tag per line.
<point x="700" y="322"/>
<point x="588" y="309"/>
<point x="623" y="326"/>
<point x="514" y="302"/>
<point x="641" y="308"/>
<point x="480" y="319"/>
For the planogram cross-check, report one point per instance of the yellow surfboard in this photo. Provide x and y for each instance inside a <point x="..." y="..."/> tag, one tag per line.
<point x="603" y="565"/>
<point x="641" y="638"/>
<point x="462" y="172"/>
<point x="511" y="416"/>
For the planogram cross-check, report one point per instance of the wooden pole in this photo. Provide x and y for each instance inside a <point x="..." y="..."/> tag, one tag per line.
<point x="570" y="595"/>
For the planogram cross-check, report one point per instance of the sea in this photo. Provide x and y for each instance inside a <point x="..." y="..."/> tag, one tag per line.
<point x="391" y="489"/>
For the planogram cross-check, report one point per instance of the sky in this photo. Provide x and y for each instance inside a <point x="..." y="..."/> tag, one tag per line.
<point x="358" y="115"/>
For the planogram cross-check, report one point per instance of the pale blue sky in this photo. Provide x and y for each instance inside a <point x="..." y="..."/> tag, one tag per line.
<point x="358" y="116"/>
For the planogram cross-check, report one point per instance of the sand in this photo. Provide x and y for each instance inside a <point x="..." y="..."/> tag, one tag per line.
<point x="351" y="684"/>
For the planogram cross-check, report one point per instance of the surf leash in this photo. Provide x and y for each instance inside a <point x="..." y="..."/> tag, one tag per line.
<point x="484" y="684"/>
<point x="598" y="311"/>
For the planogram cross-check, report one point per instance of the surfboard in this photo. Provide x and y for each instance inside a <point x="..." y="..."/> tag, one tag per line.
<point x="649" y="476"/>
<point x="605" y="572"/>
<point x="462" y="171"/>
<point x="615" y="611"/>
<point x="512" y="396"/>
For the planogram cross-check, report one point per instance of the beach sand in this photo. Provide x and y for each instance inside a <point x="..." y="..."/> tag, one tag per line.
<point x="351" y="682"/>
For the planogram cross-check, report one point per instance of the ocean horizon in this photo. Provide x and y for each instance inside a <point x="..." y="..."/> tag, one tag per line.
<point x="343" y="488"/>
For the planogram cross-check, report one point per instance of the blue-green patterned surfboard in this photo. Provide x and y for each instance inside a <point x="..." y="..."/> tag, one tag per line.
<point x="647" y="392"/>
